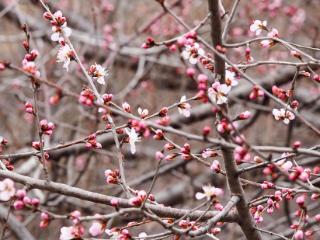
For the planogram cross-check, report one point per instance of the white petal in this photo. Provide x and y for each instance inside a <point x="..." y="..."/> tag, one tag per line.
<point x="101" y="80"/>
<point x="224" y="89"/>
<point x="55" y="36"/>
<point x="186" y="112"/>
<point x="286" y="121"/>
<point x="201" y="52"/>
<point x="200" y="195"/>
<point x="132" y="147"/>
<point x="193" y="60"/>
<point x="67" y="31"/>
<point x="185" y="54"/>
<point x="222" y="99"/>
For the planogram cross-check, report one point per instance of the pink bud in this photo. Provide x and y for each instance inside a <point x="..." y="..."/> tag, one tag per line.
<point x="114" y="202"/>
<point x="299" y="235"/>
<point x="35" y="202"/>
<point x="245" y="115"/>
<point x="18" y="205"/>
<point x="191" y="72"/>
<point x="159" y="155"/>
<point x="21" y="193"/>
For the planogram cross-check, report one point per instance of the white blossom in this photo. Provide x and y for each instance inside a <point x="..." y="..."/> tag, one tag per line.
<point x="283" y="114"/>
<point x="98" y="73"/>
<point x="218" y="93"/>
<point x="66" y="233"/>
<point x="64" y="55"/>
<point x="60" y="31"/>
<point x="7" y="189"/>
<point x="258" y="26"/>
<point x="209" y="192"/>
<point x="230" y="79"/>
<point x="133" y="138"/>
<point x="192" y="53"/>
<point x="184" y="107"/>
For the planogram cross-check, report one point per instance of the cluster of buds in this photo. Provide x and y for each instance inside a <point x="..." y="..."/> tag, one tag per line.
<point x="28" y="64"/>
<point x="149" y="43"/>
<point x="91" y="142"/>
<point x="59" y="25"/>
<point x="241" y="154"/>
<point x="301" y="173"/>
<point x="186" y="152"/>
<point x="140" y="198"/>
<point x="256" y="93"/>
<point x="202" y="81"/>
<point x="140" y="127"/>
<point x="267" y="185"/>
<point x="164" y="118"/>
<point x="159" y="135"/>
<point x="224" y="126"/>
<point x="207" y="153"/>
<point x="87" y="97"/>
<point x="281" y="93"/>
<point x="107" y="98"/>
<point x="46" y="127"/>
<point x="257" y="213"/>
<point x="274" y="202"/>
<point x="185" y="224"/>
<point x="28" y="108"/>
<point x="112" y="176"/>
<point x="114" y="233"/>
<point x="22" y="200"/>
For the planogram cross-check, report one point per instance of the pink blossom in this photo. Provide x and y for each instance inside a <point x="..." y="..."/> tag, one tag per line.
<point x="96" y="229"/>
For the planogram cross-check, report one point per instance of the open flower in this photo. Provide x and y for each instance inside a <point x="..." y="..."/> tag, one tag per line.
<point x="218" y="93"/>
<point x="257" y="26"/>
<point x="283" y="114"/>
<point x="73" y="232"/>
<point x="59" y="27"/>
<point x="269" y="43"/>
<point x="96" y="229"/>
<point x="97" y="72"/>
<point x="133" y="138"/>
<point x="209" y="192"/>
<point x="184" y="107"/>
<point x="7" y="189"/>
<point x="192" y="53"/>
<point x="230" y="79"/>
<point x="65" y="55"/>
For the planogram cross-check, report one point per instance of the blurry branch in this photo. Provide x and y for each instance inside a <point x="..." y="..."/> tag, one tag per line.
<point x="247" y="224"/>
<point x="105" y="199"/>
<point x="18" y="229"/>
